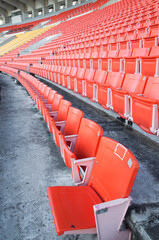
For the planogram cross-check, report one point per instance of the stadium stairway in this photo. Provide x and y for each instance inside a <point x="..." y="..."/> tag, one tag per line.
<point x="27" y="145"/>
<point x="38" y="44"/>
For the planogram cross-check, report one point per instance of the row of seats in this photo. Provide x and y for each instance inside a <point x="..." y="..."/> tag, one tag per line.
<point x="70" y="29"/>
<point x="110" y="62"/>
<point x="103" y="45"/>
<point x="132" y="96"/>
<point x="137" y="64"/>
<point x="115" y="61"/>
<point x="100" y="199"/>
<point x="122" y="41"/>
<point x="103" y="39"/>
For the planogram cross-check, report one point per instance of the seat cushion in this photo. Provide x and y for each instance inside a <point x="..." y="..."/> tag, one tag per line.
<point x="72" y="207"/>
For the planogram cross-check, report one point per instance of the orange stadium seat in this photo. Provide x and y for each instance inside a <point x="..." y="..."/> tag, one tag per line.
<point x="69" y="127"/>
<point x="78" y="80"/>
<point x="47" y="103"/>
<point x="133" y="83"/>
<point x="88" y="77"/>
<point x="50" y="111"/>
<point x="91" y="86"/>
<point x="61" y="114"/>
<point x="145" y="108"/>
<point x="106" y="196"/>
<point x="104" y="95"/>
<point x="78" y="148"/>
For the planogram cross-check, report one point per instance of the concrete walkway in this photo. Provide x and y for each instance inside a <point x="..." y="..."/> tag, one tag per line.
<point x="30" y="162"/>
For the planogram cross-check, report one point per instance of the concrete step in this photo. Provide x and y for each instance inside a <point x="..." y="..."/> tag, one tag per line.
<point x="144" y="220"/>
<point x="109" y="3"/>
<point x="5" y="40"/>
<point x="38" y="44"/>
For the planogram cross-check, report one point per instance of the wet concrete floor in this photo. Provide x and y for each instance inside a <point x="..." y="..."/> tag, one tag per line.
<point x="30" y="162"/>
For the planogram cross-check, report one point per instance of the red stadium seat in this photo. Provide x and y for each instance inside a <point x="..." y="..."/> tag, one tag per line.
<point x="47" y="103"/>
<point x="145" y="108"/>
<point x="60" y="116"/>
<point x="133" y="83"/>
<point x="91" y="86"/>
<point x="114" y="79"/>
<point x="149" y="66"/>
<point x="94" y="60"/>
<point x="88" y="77"/>
<point x="78" y="80"/>
<point x="117" y="62"/>
<point x="52" y="110"/>
<point x="78" y="148"/>
<point x="103" y="61"/>
<point x="60" y="75"/>
<point x="87" y="58"/>
<point x="66" y="76"/>
<point x="69" y="127"/>
<point x="140" y="52"/>
<point x="71" y="78"/>
<point x="101" y="205"/>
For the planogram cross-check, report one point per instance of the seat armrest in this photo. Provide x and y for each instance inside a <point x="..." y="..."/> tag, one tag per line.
<point x="53" y="114"/>
<point x="48" y="106"/>
<point x="66" y="153"/>
<point x="77" y="178"/>
<point x="61" y="124"/>
<point x="72" y="139"/>
<point x="109" y="216"/>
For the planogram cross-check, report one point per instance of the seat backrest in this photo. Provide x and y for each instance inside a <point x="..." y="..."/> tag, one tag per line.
<point x="114" y="170"/>
<point x="140" y="52"/>
<point x="55" y="68"/>
<point x="42" y="90"/>
<point x="73" y="121"/>
<point x="88" y="139"/>
<point x="87" y="55"/>
<point x="73" y="72"/>
<point x="46" y="92"/>
<point x="103" y="54"/>
<point x="52" y="68"/>
<point x="51" y="96"/>
<point x="115" y="79"/>
<point x="124" y="53"/>
<point x="80" y="73"/>
<point x="67" y="71"/>
<point x="56" y="102"/>
<point x="100" y="76"/>
<point x="113" y="53"/>
<point x="152" y="88"/>
<point x="62" y="69"/>
<point x="40" y="86"/>
<point x="134" y="83"/>
<point x="154" y="52"/>
<point x="94" y="55"/>
<point x="148" y="66"/>
<point x="58" y="69"/>
<point x="130" y="65"/>
<point x="63" y="110"/>
<point x="89" y="74"/>
<point x="81" y="56"/>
